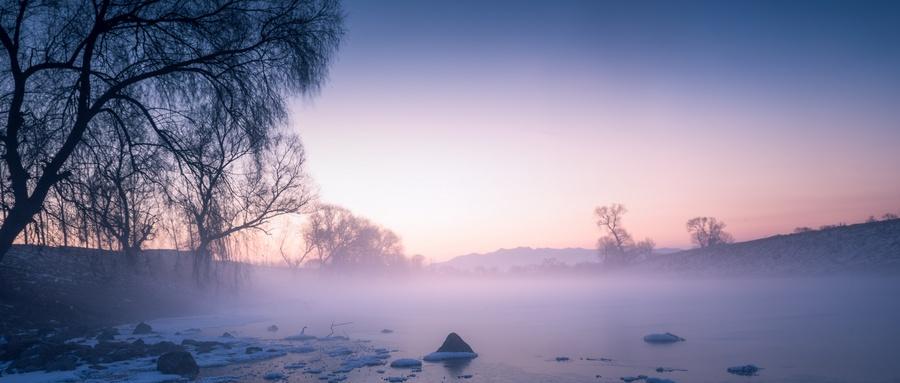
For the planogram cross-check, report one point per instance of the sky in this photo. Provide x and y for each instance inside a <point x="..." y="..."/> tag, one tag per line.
<point x="469" y="126"/>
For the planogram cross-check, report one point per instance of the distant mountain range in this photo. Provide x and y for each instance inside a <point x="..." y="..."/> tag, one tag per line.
<point x="506" y="259"/>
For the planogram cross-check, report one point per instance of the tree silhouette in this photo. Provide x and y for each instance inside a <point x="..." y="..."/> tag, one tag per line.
<point x="66" y="63"/>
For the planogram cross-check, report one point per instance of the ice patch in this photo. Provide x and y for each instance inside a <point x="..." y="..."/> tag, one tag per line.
<point x="406" y="363"/>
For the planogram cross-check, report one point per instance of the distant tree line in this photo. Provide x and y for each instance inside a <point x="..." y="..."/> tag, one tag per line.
<point x="871" y="219"/>
<point x="335" y="238"/>
<point x="125" y="122"/>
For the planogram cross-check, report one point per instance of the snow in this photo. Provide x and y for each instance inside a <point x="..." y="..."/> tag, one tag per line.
<point x="439" y="356"/>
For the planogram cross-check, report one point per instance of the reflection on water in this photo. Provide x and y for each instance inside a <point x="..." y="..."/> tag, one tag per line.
<point x="802" y="330"/>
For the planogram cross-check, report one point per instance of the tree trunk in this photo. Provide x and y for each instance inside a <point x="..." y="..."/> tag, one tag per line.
<point x="19" y="217"/>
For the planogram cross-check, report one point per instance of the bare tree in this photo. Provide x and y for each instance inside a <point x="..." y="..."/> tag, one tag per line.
<point x="228" y="182"/>
<point x="617" y="247"/>
<point x="609" y="219"/>
<point x="708" y="232"/>
<point x="68" y="62"/>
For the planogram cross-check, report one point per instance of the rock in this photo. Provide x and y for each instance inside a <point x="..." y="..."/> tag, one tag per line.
<point x="748" y="370"/>
<point x="47" y="356"/>
<point x="227" y="334"/>
<point x="163" y="347"/>
<point x="663" y="338"/>
<point x="252" y="349"/>
<point x="454" y="343"/>
<point x="406" y="363"/>
<point x="273" y="328"/>
<point x="659" y="380"/>
<point x="178" y="363"/>
<point x="387" y="331"/>
<point x="452" y="348"/>
<point x="108" y="334"/>
<point x="142" y="328"/>
<point x="67" y="362"/>
<point x="273" y="375"/>
<point x="562" y="358"/>
<point x="629" y="379"/>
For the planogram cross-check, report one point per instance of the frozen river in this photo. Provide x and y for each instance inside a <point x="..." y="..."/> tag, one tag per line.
<point x="797" y="330"/>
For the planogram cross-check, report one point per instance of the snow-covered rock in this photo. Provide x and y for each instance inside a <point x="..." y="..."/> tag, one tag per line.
<point x="663" y="338"/>
<point x="440" y="356"/>
<point x="452" y="348"/>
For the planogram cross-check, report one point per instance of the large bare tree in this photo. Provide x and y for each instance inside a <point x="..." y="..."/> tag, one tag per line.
<point x="64" y="63"/>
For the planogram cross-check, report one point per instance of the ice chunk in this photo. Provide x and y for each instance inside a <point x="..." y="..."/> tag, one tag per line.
<point x="748" y="370"/>
<point x="663" y="338"/>
<point x="406" y="363"/>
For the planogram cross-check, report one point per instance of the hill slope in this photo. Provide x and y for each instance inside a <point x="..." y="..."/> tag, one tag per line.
<point x="861" y="248"/>
<point x="506" y="259"/>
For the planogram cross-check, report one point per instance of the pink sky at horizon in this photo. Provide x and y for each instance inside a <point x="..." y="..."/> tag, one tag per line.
<point x="463" y="150"/>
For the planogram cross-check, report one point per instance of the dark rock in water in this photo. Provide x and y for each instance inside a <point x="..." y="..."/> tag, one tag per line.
<point x="138" y="343"/>
<point x="454" y="343"/>
<point x="252" y="349"/>
<point x="562" y="358"/>
<point x="163" y="347"/>
<point x="47" y="356"/>
<point x="227" y="334"/>
<point x="178" y="363"/>
<point x="273" y="328"/>
<point x="142" y="328"/>
<point x="108" y="334"/>
<point x="67" y="362"/>
<point x="387" y="331"/>
<point x="748" y="370"/>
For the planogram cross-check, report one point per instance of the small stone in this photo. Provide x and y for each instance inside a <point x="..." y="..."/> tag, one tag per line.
<point x="252" y="349"/>
<point x="142" y="328"/>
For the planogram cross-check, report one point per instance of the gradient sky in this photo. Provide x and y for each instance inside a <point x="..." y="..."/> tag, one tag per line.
<point x="468" y="126"/>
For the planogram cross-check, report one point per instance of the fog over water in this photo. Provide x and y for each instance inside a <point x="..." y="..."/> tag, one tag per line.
<point x="838" y="329"/>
